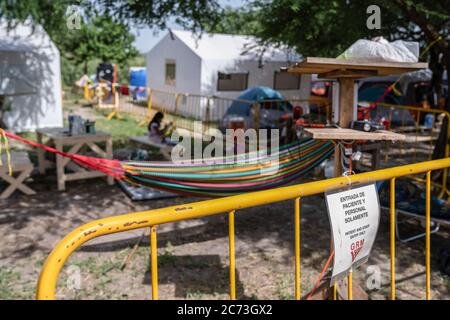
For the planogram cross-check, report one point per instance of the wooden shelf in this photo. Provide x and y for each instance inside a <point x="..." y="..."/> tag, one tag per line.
<point x="338" y="68"/>
<point x="350" y="134"/>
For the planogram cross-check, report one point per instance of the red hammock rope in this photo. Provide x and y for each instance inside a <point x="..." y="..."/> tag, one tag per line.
<point x="107" y="166"/>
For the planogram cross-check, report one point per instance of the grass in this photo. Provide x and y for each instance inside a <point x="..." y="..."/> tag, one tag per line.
<point x="284" y="288"/>
<point x="194" y="295"/>
<point x="96" y="267"/>
<point x="99" y="269"/>
<point x="121" y="129"/>
<point x="166" y="258"/>
<point x="8" y="279"/>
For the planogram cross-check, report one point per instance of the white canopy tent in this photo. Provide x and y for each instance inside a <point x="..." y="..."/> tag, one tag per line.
<point x="30" y="78"/>
<point x="221" y="65"/>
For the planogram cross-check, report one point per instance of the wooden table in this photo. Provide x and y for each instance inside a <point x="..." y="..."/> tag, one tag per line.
<point x="346" y="72"/>
<point x="74" y="144"/>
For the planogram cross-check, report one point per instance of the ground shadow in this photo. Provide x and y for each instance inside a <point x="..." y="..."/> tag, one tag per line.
<point x="195" y="276"/>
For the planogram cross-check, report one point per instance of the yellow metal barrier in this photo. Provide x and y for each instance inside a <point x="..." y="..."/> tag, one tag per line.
<point x="150" y="219"/>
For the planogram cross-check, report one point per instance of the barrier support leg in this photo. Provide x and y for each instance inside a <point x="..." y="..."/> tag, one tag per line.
<point x="154" y="262"/>
<point x="297" y="248"/>
<point x="232" y="256"/>
<point x="392" y="237"/>
<point x="350" y="284"/>
<point x="427" y="241"/>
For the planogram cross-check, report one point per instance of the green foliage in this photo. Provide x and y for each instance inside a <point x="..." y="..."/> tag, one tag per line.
<point x="99" y="37"/>
<point x="313" y="27"/>
<point x="105" y="28"/>
<point x="190" y="14"/>
<point x="244" y="21"/>
<point x="50" y="14"/>
<point x="328" y="27"/>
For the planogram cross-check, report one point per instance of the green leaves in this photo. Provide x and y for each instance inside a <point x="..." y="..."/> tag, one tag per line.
<point x="104" y="32"/>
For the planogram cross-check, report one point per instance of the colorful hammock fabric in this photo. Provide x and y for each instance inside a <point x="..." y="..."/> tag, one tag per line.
<point x="225" y="176"/>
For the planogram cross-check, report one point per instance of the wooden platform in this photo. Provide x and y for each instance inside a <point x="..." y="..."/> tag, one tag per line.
<point x="357" y="68"/>
<point x="416" y="138"/>
<point x="350" y="134"/>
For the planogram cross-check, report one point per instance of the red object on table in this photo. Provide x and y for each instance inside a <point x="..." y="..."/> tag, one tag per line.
<point x="124" y="89"/>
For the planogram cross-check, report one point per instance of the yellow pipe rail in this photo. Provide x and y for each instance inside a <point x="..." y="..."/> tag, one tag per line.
<point x="150" y="219"/>
<point x="297" y="248"/>
<point x="232" y="255"/>
<point x="154" y="262"/>
<point x="427" y="239"/>
<point x="392" y="236"/>
<point x="350" y="285"/>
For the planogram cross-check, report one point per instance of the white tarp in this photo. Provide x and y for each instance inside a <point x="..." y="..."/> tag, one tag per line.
<point x="381" y="50"/>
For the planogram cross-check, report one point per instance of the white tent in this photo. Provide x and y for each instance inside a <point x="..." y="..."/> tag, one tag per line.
<point x="30" y="78"/>
<point x="220" y="65"/>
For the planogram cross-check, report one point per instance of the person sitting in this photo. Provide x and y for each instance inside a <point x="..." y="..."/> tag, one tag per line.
<point x="155" y="133"/>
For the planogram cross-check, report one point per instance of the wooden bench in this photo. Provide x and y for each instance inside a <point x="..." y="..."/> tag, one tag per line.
<point x="145" y="141"/>
<point x="22" y="167"/>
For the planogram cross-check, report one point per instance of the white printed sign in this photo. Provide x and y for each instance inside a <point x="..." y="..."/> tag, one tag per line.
<point x="354" y="217"/>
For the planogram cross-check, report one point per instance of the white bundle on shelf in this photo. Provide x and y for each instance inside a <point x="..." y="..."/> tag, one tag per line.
<point x="381" y="50"/>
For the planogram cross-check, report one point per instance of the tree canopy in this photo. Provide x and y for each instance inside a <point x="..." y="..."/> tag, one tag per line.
<point x="104" y="30"/>
<point x="51" y="14"/>
<point x="101" y="37"/>
<point x="327" y="27"/>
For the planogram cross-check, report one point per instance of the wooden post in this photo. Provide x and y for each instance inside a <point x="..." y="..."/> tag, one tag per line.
<point x="41" y="155"/>
<point x="61" y="177"/>
<point x="109" y="153"/>
<point x="346" y="98"/>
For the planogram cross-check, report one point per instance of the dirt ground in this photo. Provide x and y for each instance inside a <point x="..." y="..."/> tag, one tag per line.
<point x="193" y="255"/>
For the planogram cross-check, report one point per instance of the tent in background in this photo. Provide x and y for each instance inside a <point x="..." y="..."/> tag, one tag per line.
<point x="30" y="78"/>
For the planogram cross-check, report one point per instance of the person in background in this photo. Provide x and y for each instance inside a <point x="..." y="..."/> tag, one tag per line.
<point x="155" y="133"/>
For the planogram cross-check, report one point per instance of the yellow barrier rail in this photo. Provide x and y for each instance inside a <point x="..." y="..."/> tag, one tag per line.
<point x="152" y="218"/>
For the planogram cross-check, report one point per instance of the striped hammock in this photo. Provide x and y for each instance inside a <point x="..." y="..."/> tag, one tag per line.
<point x="225" y="176"/>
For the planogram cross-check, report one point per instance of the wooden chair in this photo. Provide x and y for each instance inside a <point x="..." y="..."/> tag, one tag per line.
<point x="22" y="168"/>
